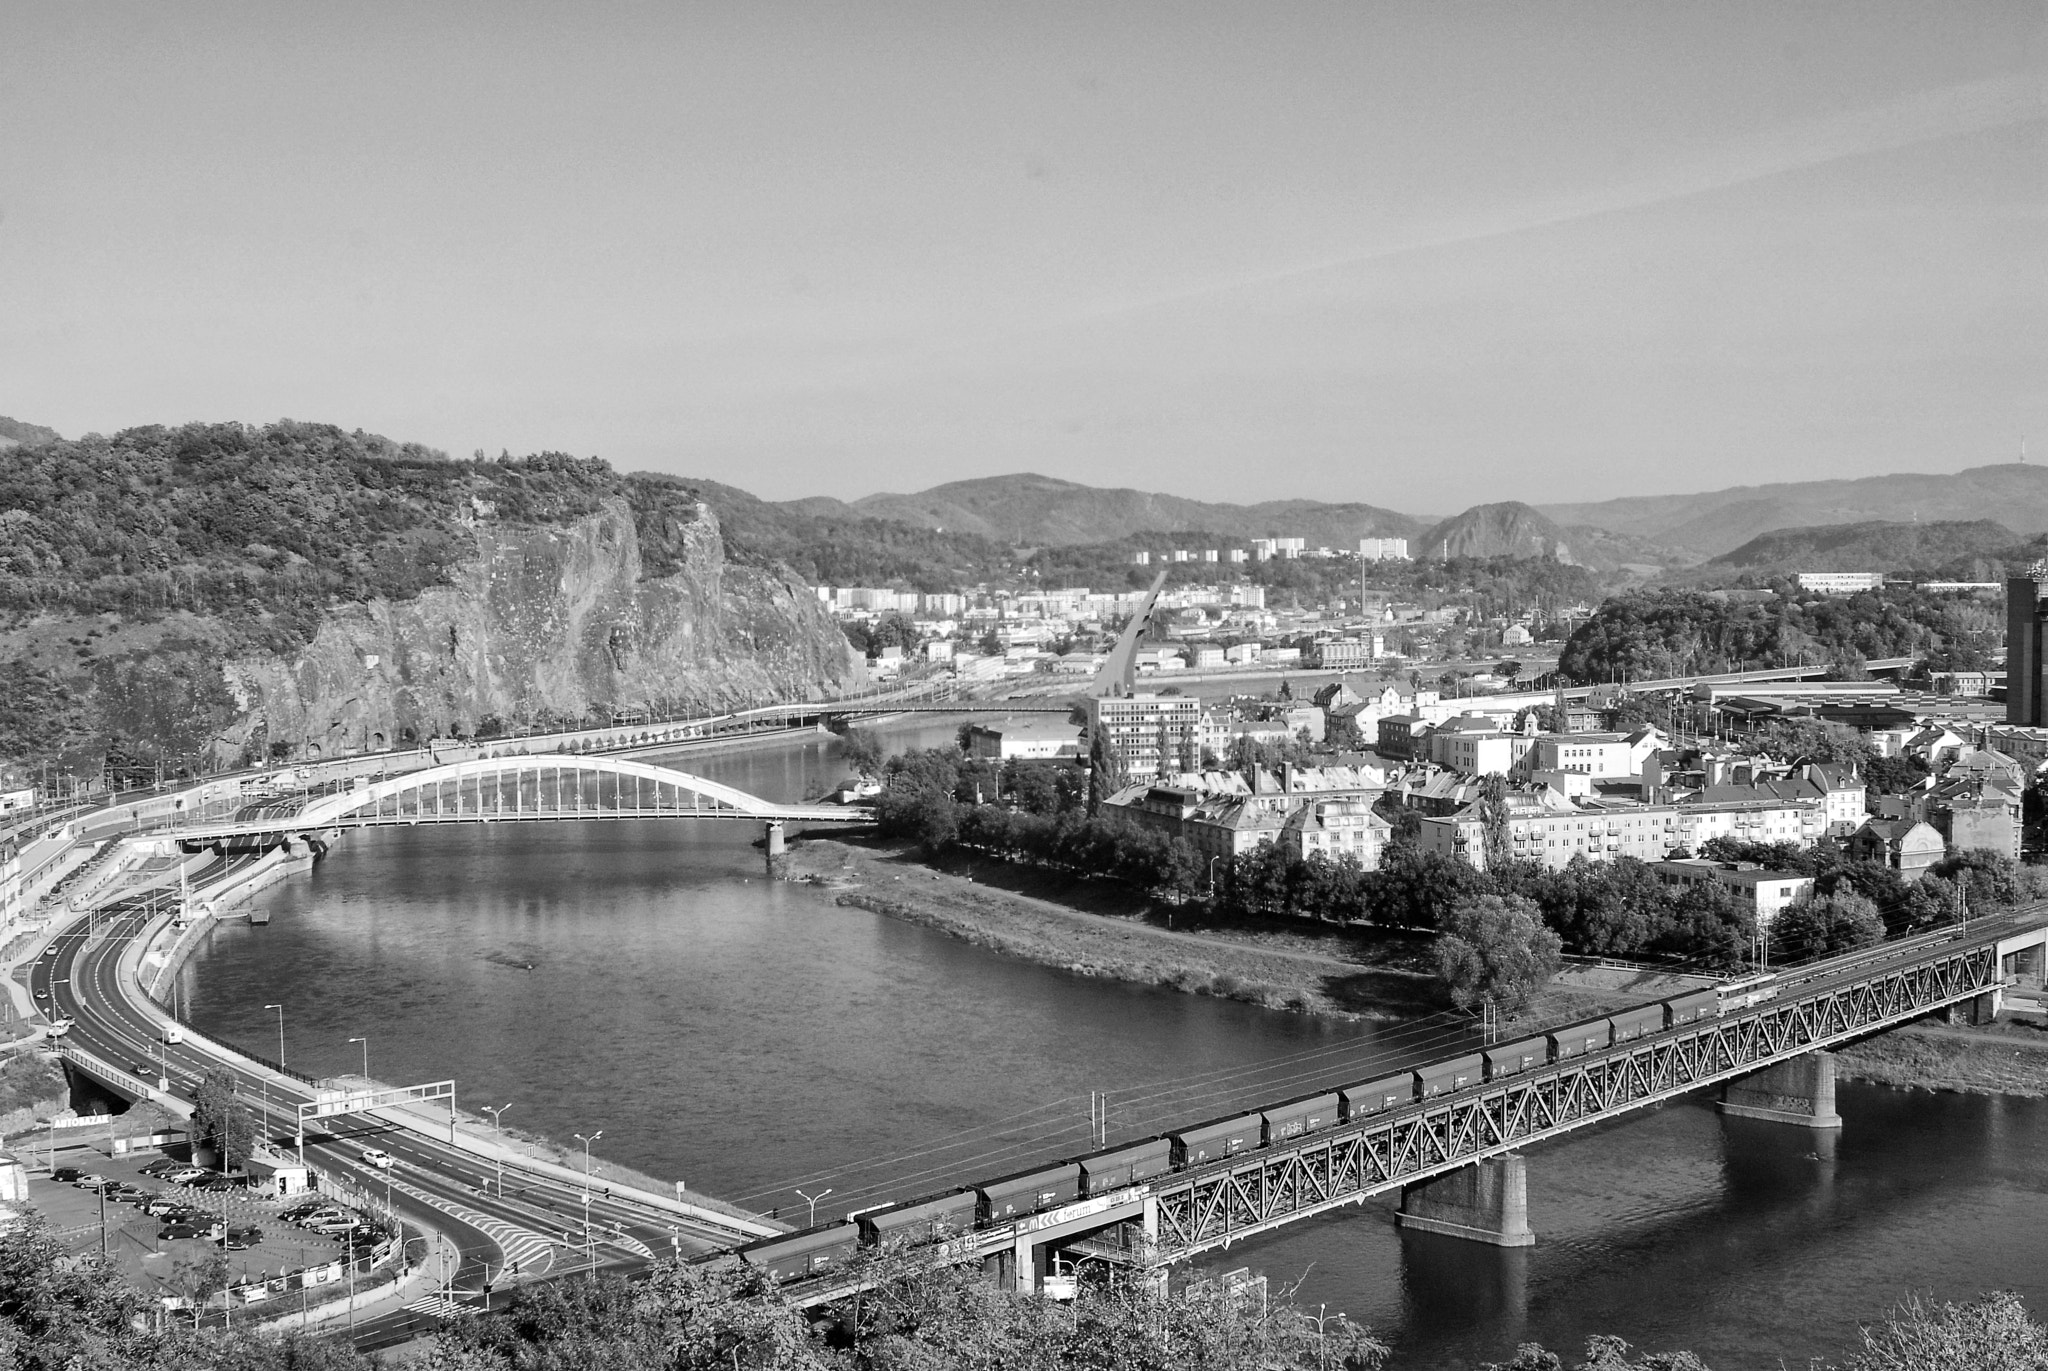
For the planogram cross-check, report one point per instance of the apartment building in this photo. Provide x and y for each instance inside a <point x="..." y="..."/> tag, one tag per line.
<point x="1152" y="734"/>
<point x="1552" y="829"/>
<point x="1765" y="892"/>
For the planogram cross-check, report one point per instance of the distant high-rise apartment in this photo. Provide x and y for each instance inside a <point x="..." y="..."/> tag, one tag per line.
<point x="2024" y="609"/>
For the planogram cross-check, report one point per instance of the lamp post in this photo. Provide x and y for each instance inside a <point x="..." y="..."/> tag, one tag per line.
<point x="1212" y="873"/>
<point x="494" y="1113"/>
<point x="366" y="1055"/>
<point x="589" y="1242"/>
<point x="280" y="1031"/>
<point x="812" y="1221"/>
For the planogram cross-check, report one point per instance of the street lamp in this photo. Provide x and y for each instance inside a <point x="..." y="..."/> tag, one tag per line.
<point x="812" y="1221"/>
<point x="1212" y="873"/>
<point x="494" y="1113"/>
<point x="589" y="1241"/>
<point x="366" y="1055"/>
<point x="280" y="1031"/>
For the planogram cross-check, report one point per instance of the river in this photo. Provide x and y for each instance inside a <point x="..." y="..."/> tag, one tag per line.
<point x="755" y="1040"/>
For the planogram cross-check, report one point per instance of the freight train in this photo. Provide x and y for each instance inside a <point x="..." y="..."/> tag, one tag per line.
<point x="817" y="1250"/>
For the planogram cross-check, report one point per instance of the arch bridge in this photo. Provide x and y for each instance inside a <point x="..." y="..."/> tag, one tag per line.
<point x="518" y="788"/>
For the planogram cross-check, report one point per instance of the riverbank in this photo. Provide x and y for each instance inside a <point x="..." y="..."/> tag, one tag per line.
<point x="2005" y="1058"/>
<point x="1099" y="928"/>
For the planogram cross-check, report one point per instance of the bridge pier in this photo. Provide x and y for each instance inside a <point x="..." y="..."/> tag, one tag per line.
<point x="1800" y="1091"/>
<point x="1486" y="1202"/>
<point x="778" y="849"/>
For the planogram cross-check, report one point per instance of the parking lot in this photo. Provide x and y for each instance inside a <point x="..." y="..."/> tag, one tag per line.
<point x="153" y="1262"/>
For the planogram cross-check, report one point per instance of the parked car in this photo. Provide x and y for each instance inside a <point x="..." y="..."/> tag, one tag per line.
<point x="91" y="1180"/>
<point x="65" y="1175"/>
<point x="171" y="1231"/>
<point x="248" y="1236"/>
<point x="332" y="1227"/>
<point x="160" y="1207"/>
<point x="185" y="1175"/>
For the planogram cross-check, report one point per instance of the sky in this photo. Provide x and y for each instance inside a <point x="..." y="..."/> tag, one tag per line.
<point x="1421" y="255"/>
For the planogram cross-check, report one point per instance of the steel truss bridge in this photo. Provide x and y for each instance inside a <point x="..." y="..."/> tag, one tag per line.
<point x="1175" y="1216"/>
<point x="1823" y="1007"/>
<point x="504" y="789"/>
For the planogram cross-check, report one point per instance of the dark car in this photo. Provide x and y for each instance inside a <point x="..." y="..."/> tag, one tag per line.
<point x="66" y="1174"/>
<point x="248" y="1236"/>
<point x="217" y="1183"/>
<point x="187" y="1230"/>
<point x="163" y="1167"/>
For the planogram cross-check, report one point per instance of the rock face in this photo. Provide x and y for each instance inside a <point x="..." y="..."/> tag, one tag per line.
<point x="545" y="623"/>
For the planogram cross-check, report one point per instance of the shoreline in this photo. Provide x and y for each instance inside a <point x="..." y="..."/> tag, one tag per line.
<point x="1103" y="930"/>
<point x="2009" y="1057"/>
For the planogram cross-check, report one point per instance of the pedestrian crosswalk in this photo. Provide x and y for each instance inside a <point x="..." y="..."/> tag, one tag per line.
<point x="525" y="1251"/>
<point x="439" y="1306"/>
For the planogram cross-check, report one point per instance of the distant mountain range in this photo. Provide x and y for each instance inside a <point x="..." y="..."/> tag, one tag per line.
<point x="1900" y="521"/>
<point x="1027" y="510"/>
<point x="2015" y="494"/>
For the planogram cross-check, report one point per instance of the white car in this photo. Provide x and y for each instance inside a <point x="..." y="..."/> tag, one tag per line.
<point x="377" y="1157"/>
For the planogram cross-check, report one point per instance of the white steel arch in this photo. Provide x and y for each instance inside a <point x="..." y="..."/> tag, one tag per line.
<point x="342" y="805"/>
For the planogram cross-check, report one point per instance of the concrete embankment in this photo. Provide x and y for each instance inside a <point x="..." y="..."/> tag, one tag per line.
<point x="2005" y="1058"/>
<point x="1094" y="928"/>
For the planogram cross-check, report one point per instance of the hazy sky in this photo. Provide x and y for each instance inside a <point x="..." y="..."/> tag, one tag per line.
<point x="1422" y="255"/>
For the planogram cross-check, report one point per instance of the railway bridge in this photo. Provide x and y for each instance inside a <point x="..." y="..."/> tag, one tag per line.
<point x="1449" y="1135"/>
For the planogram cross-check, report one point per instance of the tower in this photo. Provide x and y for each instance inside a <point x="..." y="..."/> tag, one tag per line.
<point x="2024" y="609"/>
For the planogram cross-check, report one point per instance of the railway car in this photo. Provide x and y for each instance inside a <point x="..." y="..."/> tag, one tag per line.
<point x="1297" y="1117"/>
<point x="1441" y="1078"/>
<point x="1217" y="1139"/>
<point x="1026" y="1192"/>
<point x="790" y="1256"/>
<point x="1581" y="1039"/>
<point x="1377" y="1097"/>
<point x="1512" y="1059"/>
<point x="1685" y="1009"/>
<point x="1127" y="1165"/>
<point x="922" y="1220"/>
<point x="1631" y="1024"/>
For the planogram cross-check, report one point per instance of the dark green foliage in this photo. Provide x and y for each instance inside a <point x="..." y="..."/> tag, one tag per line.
<point x="1894" y="775"/>
<point x="890" y="630"/>
<point x="1650" y="634"/>
<point x="1495" y="949"/>
<point x="221" y="1121"/>
<point x="265" y="525"/>
<point x="1826" y="926"/>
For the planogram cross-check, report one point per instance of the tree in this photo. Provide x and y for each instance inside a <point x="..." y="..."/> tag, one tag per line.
<point x="862" y="749"/>
<point x="1509" y="671"/>
<point x="1824" y="926"/>
<point x="221" y="1121"/>
<point x="1495" y="949"/>
<point x="1988" y="1334"/>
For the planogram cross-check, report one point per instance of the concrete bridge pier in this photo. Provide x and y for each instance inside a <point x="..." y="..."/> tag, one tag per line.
<point x="1800" y="1091"/>
<point x="778" y="849"/>
<point x="1486" y="1202"/>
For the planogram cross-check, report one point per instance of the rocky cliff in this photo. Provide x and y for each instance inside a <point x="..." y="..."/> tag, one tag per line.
<point x="544" y="624"/>
<point x="539" y="623"/>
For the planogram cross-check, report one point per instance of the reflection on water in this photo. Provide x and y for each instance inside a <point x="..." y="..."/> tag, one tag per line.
<point x="751" y="1038"/>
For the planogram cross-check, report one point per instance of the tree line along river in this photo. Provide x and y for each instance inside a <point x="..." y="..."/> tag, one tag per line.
<point x="756" y="1041"/>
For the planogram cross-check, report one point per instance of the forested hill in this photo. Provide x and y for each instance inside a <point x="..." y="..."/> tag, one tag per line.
<point x="1652" y="634"/>
<point x="1875" y="545"/>
<point x="14" y="433"/>
<point x="269" y="524"/>
<point x="217" y="593"/>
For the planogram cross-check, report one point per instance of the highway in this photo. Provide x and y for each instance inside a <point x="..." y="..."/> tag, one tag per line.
<point x="536" y="1222"/>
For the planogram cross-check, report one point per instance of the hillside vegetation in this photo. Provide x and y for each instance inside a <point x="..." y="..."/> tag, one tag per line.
<point x="1875" y="545"/>
<point x="1651" y="634"/>
<point x="268" y="525"/>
